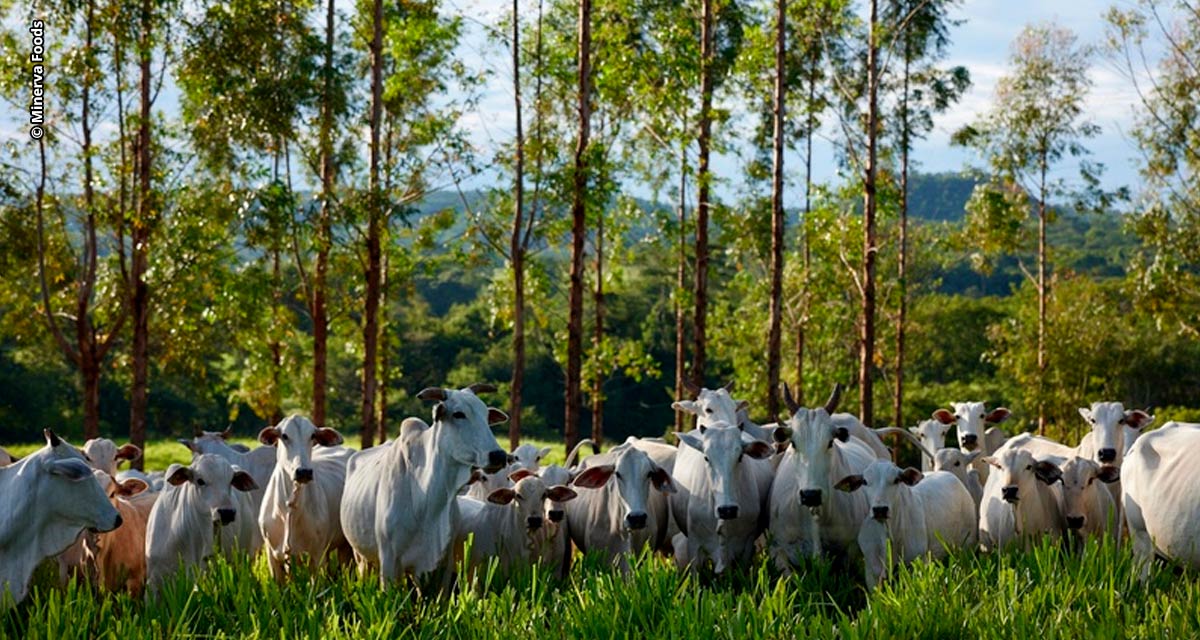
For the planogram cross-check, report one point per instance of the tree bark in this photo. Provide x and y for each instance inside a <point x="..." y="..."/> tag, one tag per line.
<point x="598" y="335"/>
<point x="517" y="247"/>
<point x="140" y="236"/>
<point x="866" y="352"/>
<point x="680" y="287"/>
<point x="1042" y="293"/>
<point x="320" y="316"/>
<point x="276" y="345"/>
<point x="777" y="219"/>
<point x="902" y="263"/>
<point x="578" y="222"/>
<point x="385" y="373"/>
<point x="704" y="140"/>
<point x="374" y="231"/>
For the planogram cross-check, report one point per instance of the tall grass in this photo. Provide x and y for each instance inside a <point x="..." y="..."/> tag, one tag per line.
<point x="1042" y="593"/>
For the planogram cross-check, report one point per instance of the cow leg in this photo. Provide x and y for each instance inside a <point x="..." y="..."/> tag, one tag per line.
<point x="1143" y="545"/>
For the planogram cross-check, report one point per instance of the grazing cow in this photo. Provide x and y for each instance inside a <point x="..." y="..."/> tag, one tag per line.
<point x="932" y="434"/>
<point x="1161" y="498"/>
<point x="918" y="514"/>
<point x="717" y="504"/>
<point x="398" y="510"/>
<point x="974" y="430"/>
<point x="1020" y="499"/>
<point x="300" y="516"/>
<point x="197" y="505"/>
<point x="511" y="524"/>
<point x="120" y="555"/>
<point x="104" y="455"/>
<point x="48" y="499"/>
<point x="958" y="464"/>
<point x="1088" y="508"/>
<point x="620" y="514"/>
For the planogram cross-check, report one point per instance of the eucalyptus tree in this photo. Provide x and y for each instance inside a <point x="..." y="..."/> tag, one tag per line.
<point x="579" y="175"/>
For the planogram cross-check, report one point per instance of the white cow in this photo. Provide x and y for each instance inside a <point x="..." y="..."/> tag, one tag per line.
<point x="958" y="464"/>
<point x="624" y="508"/>
<point x="974" y="421"/>
<point x="1161" y="498"/>
<point x="120" y="555"/>
<point x="511" y="524"/>
<point x="556" y="515"/>
<point x="1088" y="508"/>
<point x="525" y="456"/>
<point x="1020" y="499"/>
<point x="104" y="454"/>
<point x="932" y="434"/>
<point x="717" y="504"/>
<point x="398" y="510"/>
<point x="48" y="499"/>
<point x="300" y="516"/>
<point x="259" y="462"/>
<point x="919" y="514"/>
<point x="196" y="505"/>
<point x="1111" y="425"/>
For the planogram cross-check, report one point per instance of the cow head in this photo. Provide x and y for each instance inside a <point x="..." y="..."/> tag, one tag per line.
<point x="884" y="482"/>
<point x="214" y="442"/>
<point x="1110" y="423"/>
<point x="713" y="406"/>
<point x="212" y="481"/>
<point x="528" y="496"/>
<point x="723" y="448"/>
<point x="815" y="437"/>
<point x="635" y="474"/>
<point x="103" y="454"/>
<point x="462" y="425"/>
<point x="66" y="491"/>
<point x="972" y="419"/>
<point x="555" y="475"/>
<point x="956" y="461"/>
<point x="528" y="456"/>
<point x="294" y="439"/>
<point x="1020" y="472"/>
<point x="1079" y="476"/>
<point x="931" y="433"/>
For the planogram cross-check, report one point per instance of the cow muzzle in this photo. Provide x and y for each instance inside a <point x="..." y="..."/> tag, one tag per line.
<point x="879" y="513"/>
<point x="810" y="497"/>
<point x="226" y="516"/>
<point x="1107" y="456"/>
<point x="303" y="476"/>
<point x="636" y="521"/>
<point x="1075" y="522"/>
<point x="727" y="512"/>
<point x="1009" y="494"/>
<point x="116" y="524"/>
<point x="533" y="523"/>
<point x="557" y="515"/>
<point x="970" y="442"/>
<point x="497" y="460"/>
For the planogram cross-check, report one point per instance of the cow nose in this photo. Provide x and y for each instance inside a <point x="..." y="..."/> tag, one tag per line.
<point x="1075" y="522"/>
<point x="879" y="513"/>
<point x="727" y="512"/>
<point x="810" y="497"/>
<point x="497" y="460"/>
<point x="556" y="515"/>
<point x="226" y="515"/>
<point x="1010" y="493"/>
<point x="970" y="441"/>
<point x="637" y="521"/>
<point x="533" y="522"/>
<point x="303" y="476"/>
<point x="1108" y="455"/>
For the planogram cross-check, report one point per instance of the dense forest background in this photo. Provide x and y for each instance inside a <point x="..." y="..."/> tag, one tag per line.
<point x="216" y="264"/>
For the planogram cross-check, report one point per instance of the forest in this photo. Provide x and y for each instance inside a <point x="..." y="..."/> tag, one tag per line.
<point x="244" y="210"/>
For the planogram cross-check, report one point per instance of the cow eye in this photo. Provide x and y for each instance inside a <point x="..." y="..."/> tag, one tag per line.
<point x="958" y="464"/>
<point x="708" y="409"/>
<point x="460" y="415"/>
<point x="618" y="474"/>
<point x="706" y="458"/>
<point x="1029" y="468"/>
<point x="200" y="482"/>
<point x="284" y="437"/>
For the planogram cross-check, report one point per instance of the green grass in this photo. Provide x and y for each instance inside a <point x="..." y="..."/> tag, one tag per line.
<point x="1044" y="593"/>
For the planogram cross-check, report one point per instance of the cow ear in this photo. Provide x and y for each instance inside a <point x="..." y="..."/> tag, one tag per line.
<point x="758" y="450"/>
<point x="243" y="481"/>
<point x="850" y="483"/>
<point x="227" y="433"/>
<point x="129" y="452"/>
<point x="132" y="487"/>
<point x="71" y="469"/>
<point x="998" y="415"/>
<point x="1109" y="474"/>
<point x="911" y="476"/>
<point x="1047" y="471"/>
<point x="1137" y="419"/>
<point x="560" y="493"/>
<point x="662" y="480"/>
<point x="686" y="406"/>
<point x="970" y="457"/>
<point x="520" y="474"/>
<point x="782" y="434"/>
<point x="691" y="441"/>
<point x="594" y="477"/>
<point x="503" y="495"/>
<point x="1085" y="413"/>
<point x="943" y="416"/>
<point x="179" y="475"/>
<point x="992" y="461"/>
<point x="742" y="405"/>
<point x="269" y="436"/>
<point x="190" y="444"/>
<point x="496" y="416"/>
<point x="327" y="437"/>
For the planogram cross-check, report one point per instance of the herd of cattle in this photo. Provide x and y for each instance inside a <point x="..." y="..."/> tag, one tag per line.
<point x="819" y="483"/>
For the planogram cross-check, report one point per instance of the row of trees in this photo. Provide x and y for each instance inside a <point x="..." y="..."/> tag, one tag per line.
<point x="272" y="245"/>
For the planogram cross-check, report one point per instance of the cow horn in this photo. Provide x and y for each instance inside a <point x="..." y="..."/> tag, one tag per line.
<point x="197" y="431"/>
<point x="691" y="387"/>
<point x="834" y="398"/>
<point x="432" y="393"/>
<point x="52" y="438"/>
<point x="789" y="400"/>
<point x="728" y="386"/>
<point x="482" y="387"/>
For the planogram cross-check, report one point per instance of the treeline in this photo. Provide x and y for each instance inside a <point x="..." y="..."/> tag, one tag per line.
<point x="295" y="237"/>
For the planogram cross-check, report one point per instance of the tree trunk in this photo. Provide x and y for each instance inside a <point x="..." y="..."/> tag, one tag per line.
<point x="517" y="248"/>
<point x="374" y="231"/>
<point x="902" y="263"/>
<point x="700" y="337"/>
<point x="777" y="219"/>
<point x="385" y="373"/>
<point x="680" y="287"/>
<point x="140" y="289"/>
<point x="320" y="317"/>
<point x="802" y="326"/>
<point x="578" y="221"/>
<point x="1042" y="293"/>
<point x="866" y="351"/>
<point x="84" y="336"/>
<point x="276" y="345"/>
<point x="598" y="335"/>
<point x="89" y="373"/>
